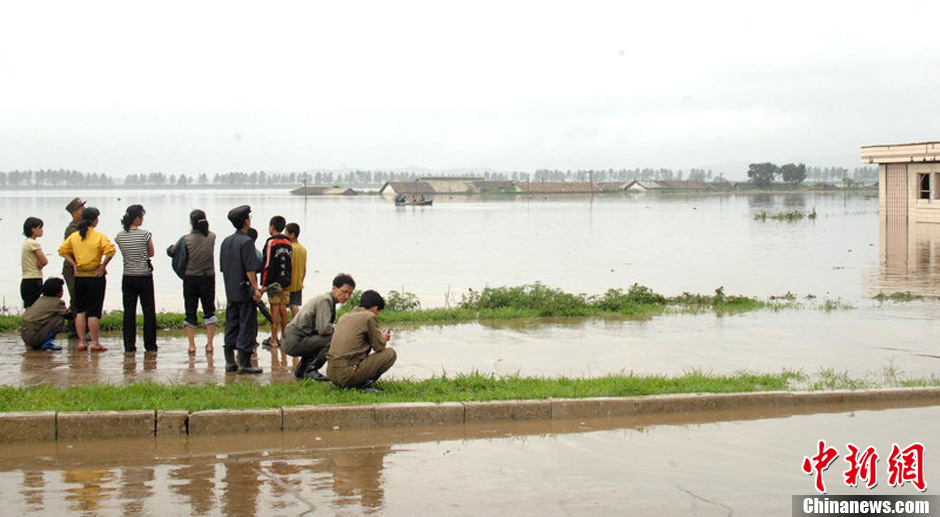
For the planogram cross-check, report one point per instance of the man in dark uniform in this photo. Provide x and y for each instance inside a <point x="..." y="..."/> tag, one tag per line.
<point x="239" y="263"/>
<point x="308" y="335"/>
<point x="75" y="208"/>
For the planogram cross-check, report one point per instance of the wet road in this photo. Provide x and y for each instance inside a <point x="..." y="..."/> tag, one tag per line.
<point x="694" y="464"/>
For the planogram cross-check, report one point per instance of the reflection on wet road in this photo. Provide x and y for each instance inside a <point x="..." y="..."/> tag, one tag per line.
<point x="692" y="464"/>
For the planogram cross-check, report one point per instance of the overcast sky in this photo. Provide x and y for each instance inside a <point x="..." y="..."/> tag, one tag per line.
<point x="131" y="87"/>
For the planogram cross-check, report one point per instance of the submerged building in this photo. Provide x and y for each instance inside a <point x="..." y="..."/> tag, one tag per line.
<point x="908" y="181"/>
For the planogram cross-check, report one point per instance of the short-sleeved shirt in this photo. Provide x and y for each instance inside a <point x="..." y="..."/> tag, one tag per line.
<point x="298" y="264"/>
<point x="133" y="244"/>
<point x="88" y="251"/>
<point x="237" y="256"/>
<point x="30" y="261"/>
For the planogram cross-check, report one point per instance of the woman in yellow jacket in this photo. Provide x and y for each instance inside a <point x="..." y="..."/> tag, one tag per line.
<point x="89" y="252"/>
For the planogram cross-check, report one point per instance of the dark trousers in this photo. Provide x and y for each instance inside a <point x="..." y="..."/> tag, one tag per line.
<point x="241" y="326"/>
<point x="30" y="289"/>
<point x="139" y="288"/>
<point x="196" y="289"/>
<point x="36" y="337"/>
<point x="312" y="349"/>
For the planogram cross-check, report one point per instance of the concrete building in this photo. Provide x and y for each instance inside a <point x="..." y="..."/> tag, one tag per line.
<point x="909" y="206"/>
<point x="908" y="181"/>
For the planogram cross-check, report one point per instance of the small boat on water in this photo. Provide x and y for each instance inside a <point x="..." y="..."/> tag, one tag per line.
<point x="404" y="201"/>
<point x="425" y="202"/>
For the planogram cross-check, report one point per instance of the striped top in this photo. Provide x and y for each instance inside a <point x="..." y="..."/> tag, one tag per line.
<point x="133" y="245"/>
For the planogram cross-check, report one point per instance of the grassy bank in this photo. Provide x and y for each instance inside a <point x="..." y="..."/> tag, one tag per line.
<point x="471" y="387"/>
<point x="526" y="301"/>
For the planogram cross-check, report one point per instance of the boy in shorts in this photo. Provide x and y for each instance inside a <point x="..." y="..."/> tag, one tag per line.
<point x="298" y="273"/>
<point x="276" y="269"/>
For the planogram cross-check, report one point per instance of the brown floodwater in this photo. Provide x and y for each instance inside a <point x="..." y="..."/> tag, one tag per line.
<point x="741" y="463"/>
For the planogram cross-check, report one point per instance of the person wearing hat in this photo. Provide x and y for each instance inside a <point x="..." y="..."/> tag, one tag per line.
<point x="75" y="208"/>
<point x="238" y="261"/>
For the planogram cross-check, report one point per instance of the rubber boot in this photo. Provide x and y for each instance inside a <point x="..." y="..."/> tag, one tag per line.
<point x="244" y="363"/>
<point x="230" y="365"/>
<point x="302" y="366"/>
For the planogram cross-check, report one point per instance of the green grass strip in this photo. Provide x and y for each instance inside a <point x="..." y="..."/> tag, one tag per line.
<point x="469" y="387"/>
<point x="514" y="302"/>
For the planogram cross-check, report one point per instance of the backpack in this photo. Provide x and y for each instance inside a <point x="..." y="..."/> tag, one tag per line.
<point x="277" y="261"/>
<point x="180" y="258"/>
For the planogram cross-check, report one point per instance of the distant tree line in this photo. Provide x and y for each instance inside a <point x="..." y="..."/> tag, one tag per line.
<point x="52" y="178"/>
<point x="765" y="174"/>
<point x="789" y="173"/>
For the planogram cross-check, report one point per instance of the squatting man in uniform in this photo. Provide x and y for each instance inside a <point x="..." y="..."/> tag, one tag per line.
<point x="351" y="365"/>
<point x="309" y="334"/>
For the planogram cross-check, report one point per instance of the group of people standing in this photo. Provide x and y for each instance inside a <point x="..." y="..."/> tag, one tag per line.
<point x="355" y="347"/>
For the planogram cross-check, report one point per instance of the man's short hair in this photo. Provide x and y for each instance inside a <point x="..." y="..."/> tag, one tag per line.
<point x="278" y="223"/>
<point x="370" y="299"/>
<point x="293" y="229"/>
<point x="52" y="286"/>
<point x="239" y="215"/>
<point x="343" y="279"/>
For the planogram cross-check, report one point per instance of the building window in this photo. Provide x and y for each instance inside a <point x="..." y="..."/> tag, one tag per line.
<point x="924" y="186"/>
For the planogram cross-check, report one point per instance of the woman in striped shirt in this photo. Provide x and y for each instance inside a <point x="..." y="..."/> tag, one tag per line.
<point x="136" y="246"/>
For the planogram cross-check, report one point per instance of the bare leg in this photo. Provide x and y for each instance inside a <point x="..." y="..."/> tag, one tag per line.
<point x="80" y="326"/>
<point x="191" y="334"/>
<point x="210" y="334"/>
<point x="276" y="322"/>
<point x="94" y="329"/>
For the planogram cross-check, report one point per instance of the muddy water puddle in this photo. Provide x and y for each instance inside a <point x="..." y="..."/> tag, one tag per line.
<point x="692" y="464"/>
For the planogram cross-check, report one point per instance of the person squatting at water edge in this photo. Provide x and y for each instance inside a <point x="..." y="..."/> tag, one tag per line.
<point x="309" y="335"/>
<point x="84" y="251"/>
<point x="75" y="207"/>
<point x="198" y="278"/>
<point x="46" y="317"/>
<point x="136" y="245"/>
<point x="32" y="260"/>
<point x="351" y="365"/>
<point x="239" y="263"/>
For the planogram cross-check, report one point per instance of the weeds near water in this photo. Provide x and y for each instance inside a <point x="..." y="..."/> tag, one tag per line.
<point x="903" y="296"/>
<point x="513" y="302"/>
<point x="835" y="305"/>
<point x="829" y="379"/>
<point x="790" y="216"/>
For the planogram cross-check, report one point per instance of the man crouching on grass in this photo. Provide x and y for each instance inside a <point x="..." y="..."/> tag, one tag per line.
<point x="356" y="335"/>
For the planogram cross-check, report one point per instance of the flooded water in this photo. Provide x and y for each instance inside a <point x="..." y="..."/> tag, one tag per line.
<point x="692" y="464"/>
<point x="669" y="243"/>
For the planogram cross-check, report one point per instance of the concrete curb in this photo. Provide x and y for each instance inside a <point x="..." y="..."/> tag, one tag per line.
<point x="80" y="425"/>
<point x="51" y="426"/>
